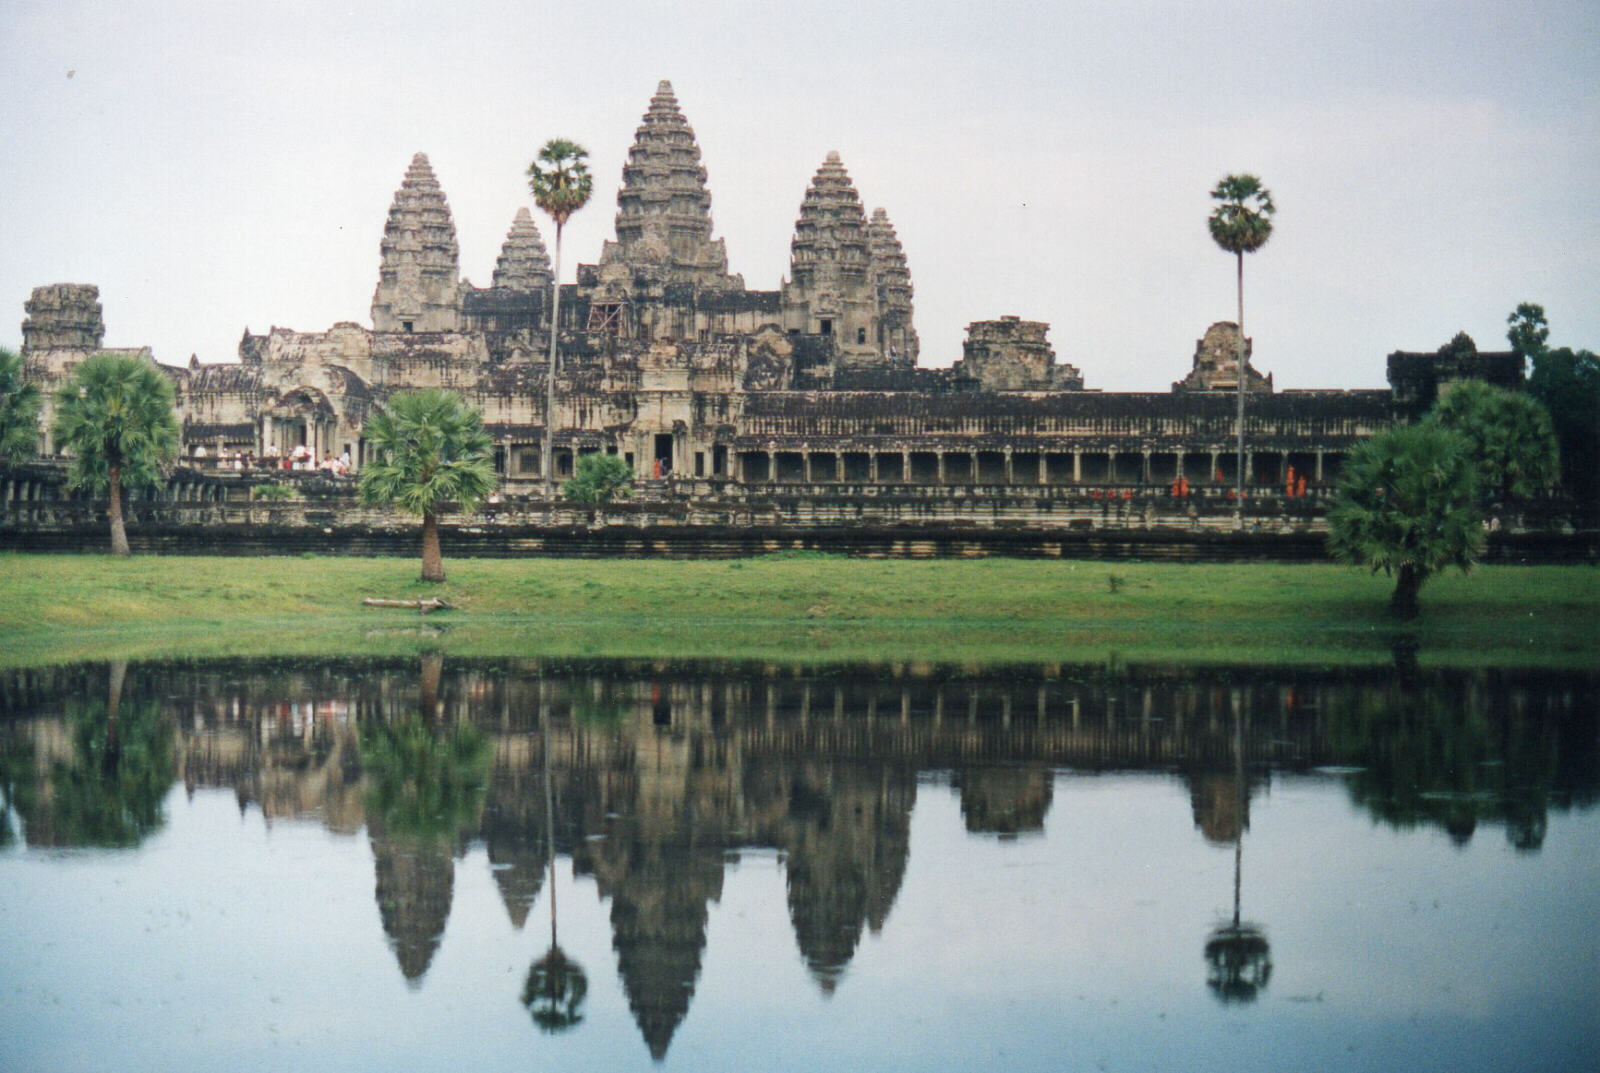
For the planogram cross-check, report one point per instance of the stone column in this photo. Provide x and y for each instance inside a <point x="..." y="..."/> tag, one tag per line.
<point x="1010" y="473"/>
<point x="1319" y="465"/>
<point x="905" y="467"/>
<point x="940" y="457"/>
<point x="1077" y="466"/>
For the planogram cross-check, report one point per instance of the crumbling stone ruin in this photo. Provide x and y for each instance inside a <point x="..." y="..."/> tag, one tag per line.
<point x="714" y="391"/>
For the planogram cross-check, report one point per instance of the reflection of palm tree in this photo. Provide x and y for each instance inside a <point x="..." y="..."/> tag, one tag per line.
<point x="556" y="985"/>
<point x="555" y="991"/>
<point x="111" y="795"/>
<point x="1238" y="957"/>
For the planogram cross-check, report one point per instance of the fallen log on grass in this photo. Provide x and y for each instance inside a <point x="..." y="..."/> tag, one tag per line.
<point x="421" y="607"/>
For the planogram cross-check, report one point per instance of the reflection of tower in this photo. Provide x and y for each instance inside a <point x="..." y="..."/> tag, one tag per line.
<point x="416" y="881"/>
<point x="661" y="861"/>
<point x="1220" y="811"/>
<point x="1005" y="801"/>
<point x="658" y="923"/>
<point x="516" y="835"/>
<point x="848" y="836"/>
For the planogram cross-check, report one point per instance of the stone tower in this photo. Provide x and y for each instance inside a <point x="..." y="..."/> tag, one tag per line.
<point x="63" y="316"/>
<point x="831" y="290"/>
<point x="897" y="337"/>
<point x="524" y="263"/>
<point x="1216" y="363"/>
<point x="419" y="279"/>
<point x="664" y="207"/>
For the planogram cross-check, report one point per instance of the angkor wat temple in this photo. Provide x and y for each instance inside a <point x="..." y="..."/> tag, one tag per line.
<point x="714" y="392"/>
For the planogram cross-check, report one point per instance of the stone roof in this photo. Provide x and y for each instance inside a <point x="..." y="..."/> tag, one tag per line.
<point x="524" y="263"/>
<point x="664" y="205"/>
<point x="224" y="377"/>
<point x="830" y="235"/>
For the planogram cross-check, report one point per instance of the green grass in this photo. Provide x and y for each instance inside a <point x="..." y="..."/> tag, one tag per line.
<point x="793" y="608"/>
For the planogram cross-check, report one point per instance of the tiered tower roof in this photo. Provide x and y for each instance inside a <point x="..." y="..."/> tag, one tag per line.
<point x="418" y="280"/>
<point x="830" y="236"/>
<point x="893" y="278"/>
<point x="663" y="206"/>
<point x="524" y="263"/>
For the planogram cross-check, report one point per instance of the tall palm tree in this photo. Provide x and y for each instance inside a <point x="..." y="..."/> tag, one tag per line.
<point x="1241" y="224"/>
<point x="429" y="450"/>
<point x="115" y="415"/>
<point x="561" y="185"/>
<point x="19" y="411"/>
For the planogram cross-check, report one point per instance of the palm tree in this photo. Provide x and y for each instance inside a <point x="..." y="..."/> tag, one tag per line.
<point x="19" y="411"/>
<point x="1408" y="505"/>
<point x="561" y="186"/>
<point x="1241" y="224"/>
<point x="429" y="450"/>
<point x="1510" y="435"/>
<point x="115" y="415"/>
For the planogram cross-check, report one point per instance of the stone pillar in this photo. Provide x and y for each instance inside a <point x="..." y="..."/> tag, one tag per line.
<point x="905" y="467"/>
<point x="940" y="457"/>
<point x="1077" y="466"/>
<point x="1319" y="465"/>
<point x="805" y="466"/>
<point x="973" y="455"/>
<point x="1144" y="466"/>
<point x="1010" y="473"/>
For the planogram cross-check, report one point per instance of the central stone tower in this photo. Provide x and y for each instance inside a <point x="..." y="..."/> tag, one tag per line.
<point x="664" y="207"/>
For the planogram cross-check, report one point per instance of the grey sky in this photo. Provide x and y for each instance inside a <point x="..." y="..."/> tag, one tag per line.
<point x="213" y="165"/>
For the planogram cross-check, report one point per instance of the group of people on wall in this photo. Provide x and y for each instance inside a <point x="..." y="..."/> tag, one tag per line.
<point x="299" y="457"/>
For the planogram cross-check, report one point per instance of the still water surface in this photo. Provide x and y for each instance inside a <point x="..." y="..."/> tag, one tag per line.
<point x="617" y="865"/>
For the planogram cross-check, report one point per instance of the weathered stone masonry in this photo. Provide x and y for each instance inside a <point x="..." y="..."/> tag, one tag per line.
<point x="806" y="401"/>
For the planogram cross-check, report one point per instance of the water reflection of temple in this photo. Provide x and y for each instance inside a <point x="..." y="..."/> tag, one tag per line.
<point x="661" y="773"/>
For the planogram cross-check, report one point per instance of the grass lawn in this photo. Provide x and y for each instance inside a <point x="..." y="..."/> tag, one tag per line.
<point x="792" y="608"/>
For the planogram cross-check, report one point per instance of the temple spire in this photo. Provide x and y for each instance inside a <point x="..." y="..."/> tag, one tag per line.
<point x="419" y="281"/>
<point x="830" y="290"/>
<point x="893" y="280"/>
<point x="664" y="206"/>
<point x="524" y="263"/>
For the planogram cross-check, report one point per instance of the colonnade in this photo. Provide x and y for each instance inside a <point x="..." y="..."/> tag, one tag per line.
<point x="1008" y="466"/>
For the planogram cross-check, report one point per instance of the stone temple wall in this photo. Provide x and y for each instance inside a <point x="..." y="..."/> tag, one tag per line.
<point x="715" y="391"/>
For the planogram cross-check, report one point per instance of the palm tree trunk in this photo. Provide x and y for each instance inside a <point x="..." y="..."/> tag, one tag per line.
<point x="1239" y="510"/>
<point x="119" y="532"/>
<point x="1403" y="604"/>
<point x="549" y="813"/>
<point x="550" y="377"/>
<point x="432" y="671"/>
<point x="432" y="558"/>
<point x="118" y="672"/>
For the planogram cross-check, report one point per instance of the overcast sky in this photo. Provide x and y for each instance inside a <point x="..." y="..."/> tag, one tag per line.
<point x="213" y="165"/>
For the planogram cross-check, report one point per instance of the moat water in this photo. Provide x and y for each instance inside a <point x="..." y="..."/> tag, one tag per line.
<point x="439" y="863"/>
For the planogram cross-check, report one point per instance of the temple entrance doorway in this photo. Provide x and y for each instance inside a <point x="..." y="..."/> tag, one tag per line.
<point x="663" y="454"/>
